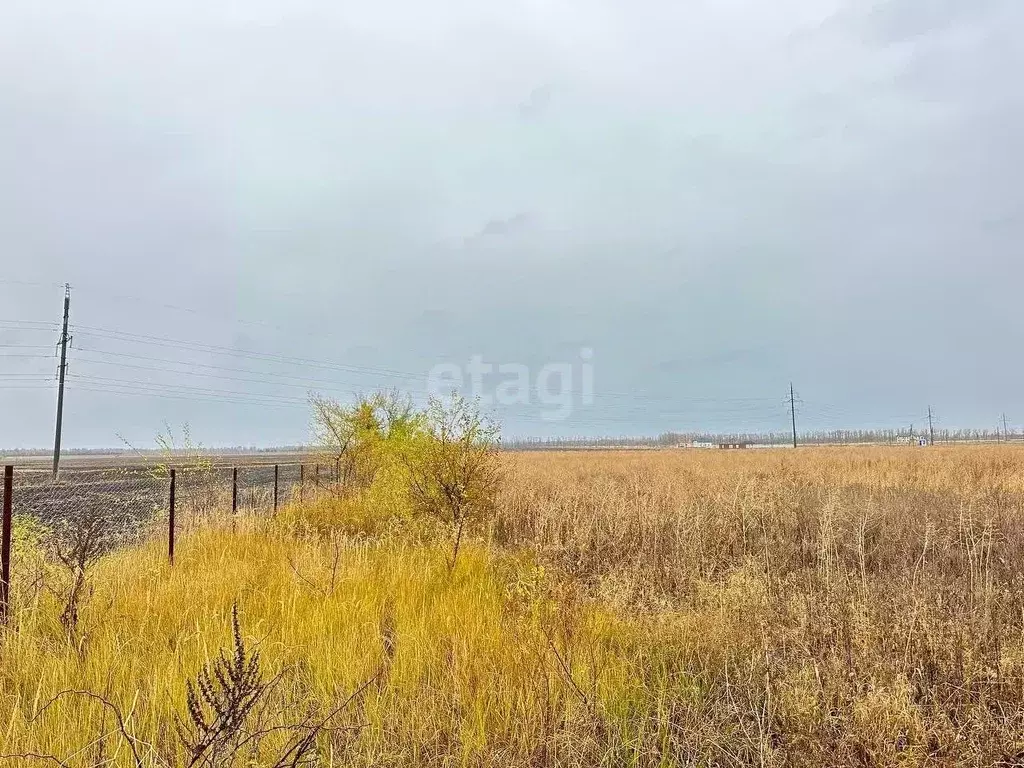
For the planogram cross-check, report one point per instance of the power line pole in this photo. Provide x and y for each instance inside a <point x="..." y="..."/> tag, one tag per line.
<point x="1006" y="431"/>
<point x="792" y="410"/>
<point x="931" y="428"/>
<point x="60" y="373"/>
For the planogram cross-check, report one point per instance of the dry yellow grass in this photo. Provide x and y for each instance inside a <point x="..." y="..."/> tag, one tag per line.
<point x="819" y="607"/>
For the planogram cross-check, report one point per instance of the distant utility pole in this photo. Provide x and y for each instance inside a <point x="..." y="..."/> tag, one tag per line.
<point x="931" y="427"/>
<point x="792" y="410"/>
<point x="1006" y="431"/>
<point x="60" y="374"/>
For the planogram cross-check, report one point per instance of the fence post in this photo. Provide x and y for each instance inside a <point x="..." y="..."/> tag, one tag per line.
<point x="337" y="471"/>
<point x="316" y="475"/>
<point x="5" y="547"/>
<point x="234" y="490"/>
<point x="275" y="489"/>
<point x="170" y="523"/>
<point x="302" y="479"/>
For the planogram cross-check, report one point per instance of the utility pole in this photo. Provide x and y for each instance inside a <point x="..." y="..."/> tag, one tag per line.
<point x="792" y="410"/>
<point x="931" y="428"/>
<point x="60" y="373"/>
<point x="1006" y="431"/>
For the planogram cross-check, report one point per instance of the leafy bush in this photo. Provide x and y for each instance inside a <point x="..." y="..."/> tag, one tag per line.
<point x="454" y="477"/>
<point x="367" y="437"/>
<point x="440" y="462"/>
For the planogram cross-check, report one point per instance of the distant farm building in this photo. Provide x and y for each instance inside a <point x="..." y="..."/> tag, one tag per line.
<point x="719" y="446"/>
<point x="911" y="440"/>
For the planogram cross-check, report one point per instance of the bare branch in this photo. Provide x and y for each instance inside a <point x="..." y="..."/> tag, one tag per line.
<point x="130" y="739"/>
<point x="34" y="756"/>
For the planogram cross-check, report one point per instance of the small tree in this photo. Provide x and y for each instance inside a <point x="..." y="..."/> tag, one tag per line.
<point x="363" y="437"/>
<point x="77" y="542"/>
<point x="454" y="472"/>
<point x="179" y="450"/>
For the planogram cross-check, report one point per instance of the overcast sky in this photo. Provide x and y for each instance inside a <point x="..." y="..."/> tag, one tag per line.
<point x="714" y="197"/>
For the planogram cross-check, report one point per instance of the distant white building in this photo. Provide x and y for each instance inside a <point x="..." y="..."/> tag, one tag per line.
<point x="720" y="446"/>
<point x="911" y="440"/>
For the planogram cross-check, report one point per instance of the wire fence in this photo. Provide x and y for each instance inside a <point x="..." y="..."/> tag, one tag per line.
<point x="86" y="512"/>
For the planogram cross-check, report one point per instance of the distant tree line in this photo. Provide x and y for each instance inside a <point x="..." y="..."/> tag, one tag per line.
<point x="115" y="450"/>
<point x="781" y="438"/>
<point x="664" y="440"/>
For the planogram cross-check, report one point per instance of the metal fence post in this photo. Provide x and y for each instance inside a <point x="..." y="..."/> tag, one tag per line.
<point x="170" y="523"/>
<point x="337" y="471"/>
<point x="234" y="490"/>
<point x="316" y="475"/>
<point x="275" y="489"/>
<point x="302" y="479"/>
<point x="5" y="547"/>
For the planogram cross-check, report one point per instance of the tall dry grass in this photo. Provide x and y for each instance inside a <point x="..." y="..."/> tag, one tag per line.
<point x="847" y="607"/>
<point x="818" y="607"/>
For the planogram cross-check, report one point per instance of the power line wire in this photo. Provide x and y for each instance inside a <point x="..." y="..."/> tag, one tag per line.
<point x="187" y="398"/>
<point x="207" y="366"/>
<point x="326" y="365"/>
<point x="255" y="396"/>
<point x="215" y="349"/>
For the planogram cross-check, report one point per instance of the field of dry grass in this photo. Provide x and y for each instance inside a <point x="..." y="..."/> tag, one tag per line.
<point x="813" y="607"/>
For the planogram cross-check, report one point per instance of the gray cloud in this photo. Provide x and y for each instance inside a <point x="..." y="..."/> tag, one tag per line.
<point x="832" y="186"/>
<point x="538" y="103"/>
<point x="895" y="21"/>
<point x="499" y="227"/>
